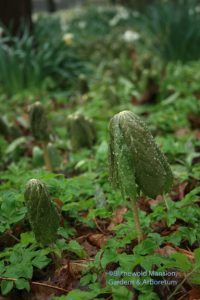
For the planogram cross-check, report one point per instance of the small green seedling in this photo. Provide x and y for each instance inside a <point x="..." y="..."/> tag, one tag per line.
<point x="81" y="130"/>
<point x="135" y="161"/>
<point x="40" y="130"/>
<point x="42" y="213"/>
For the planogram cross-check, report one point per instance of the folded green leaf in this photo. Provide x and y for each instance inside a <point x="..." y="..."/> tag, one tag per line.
<point x="39" y="122"/>
<point x="42" y="213"/>
<point x="135" y="159"/>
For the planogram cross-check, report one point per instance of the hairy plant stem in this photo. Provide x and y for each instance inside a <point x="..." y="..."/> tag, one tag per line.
<point x="182" y="282"/>
<point x="56" y="260"/>
<point x="46" y="157"/>
<point x="140" y="236"/>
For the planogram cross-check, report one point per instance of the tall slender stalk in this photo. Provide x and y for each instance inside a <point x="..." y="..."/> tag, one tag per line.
<point x="46" y="157"/>
<point x="140" y="235"/>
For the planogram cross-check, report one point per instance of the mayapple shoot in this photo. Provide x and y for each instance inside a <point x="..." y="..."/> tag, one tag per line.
<point x="39" y="128"/>
<point x="81" y="130"/>
<point x="42" y="213"/>
<point x="38" y="157"/>
<point x="136" y="162"/>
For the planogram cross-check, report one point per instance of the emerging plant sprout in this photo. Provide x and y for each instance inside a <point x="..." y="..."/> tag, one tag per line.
<point x="39" y="128"/>
<point x="81" y="130"/>
<point x="136" y="162"/>
<point x="38" y="157"/>
<point x="42" y="213"/>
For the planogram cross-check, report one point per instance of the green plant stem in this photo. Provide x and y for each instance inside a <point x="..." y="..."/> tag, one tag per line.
<point x="140" y="236"/>
<point x="13" y="236"/>
<point x="46" y="157"/>
<point x="57" y="260"/>
<point x="182" y="282"/>
<point x="55" y="257"/>
<point x="167" y="206"/>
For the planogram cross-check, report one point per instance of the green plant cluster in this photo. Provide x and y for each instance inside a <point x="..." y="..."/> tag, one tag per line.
<point x="38" y="61"/>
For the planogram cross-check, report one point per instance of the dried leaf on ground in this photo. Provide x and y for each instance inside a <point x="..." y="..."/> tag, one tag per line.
<point x="168" y="250"/>
<point x="197" y="134"/>
<point x="194" y="120"/>
<point x="98" y="239"/>
<point x="90" y="249"/>
<point x="155" y="201"/>
<point x="182" y="131"/>
<point x="117" y="218"/>
<point x="194" y="294"/>
<point x="179" y="191"/>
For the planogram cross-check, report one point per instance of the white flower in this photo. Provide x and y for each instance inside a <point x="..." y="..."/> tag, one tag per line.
<point x="130" y="36"/>
<point x="135" y="14"/>
<point x="82" y="24"/>
<point x="197" y="9"/>
<point x="68" y="39"/>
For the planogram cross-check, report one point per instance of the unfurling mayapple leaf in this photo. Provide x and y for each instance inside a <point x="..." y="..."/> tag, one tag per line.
<point x="135" y="159"/>
<point x="39" y="122"/>
<point x="39" y="128"/>
<point x="42" y="213"/>
<point x="81" y="131"/>
<point x="136" y="162"/>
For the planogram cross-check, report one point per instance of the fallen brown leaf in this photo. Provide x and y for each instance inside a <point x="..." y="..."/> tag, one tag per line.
<point x="168" y="250"/>
<point x="90" y="249"/>
<point x="74" y="267"/>
<point x="194" y="294"/>
<point x="68" y="275"/>
<point x="159" y="226"/>
<point x="58" y="203"/>
<point x="179" y="191"/>
<point x="194" y="120"/>
<point x="143" y="204"/>
<point x="42" y="293"/>
<point x="135" y="100"/>
<point x="196" y="134"/>
<point x="158" y="199"/>
<point x="98" y="239"/>
<point x="188" y="253"/>
<point x="182" y="131"/>
<point x="117" y="217"/>
<point x="170" y="230"/>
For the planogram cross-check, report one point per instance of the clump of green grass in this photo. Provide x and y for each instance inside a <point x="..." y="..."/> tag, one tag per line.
<point x="173" y="30"/>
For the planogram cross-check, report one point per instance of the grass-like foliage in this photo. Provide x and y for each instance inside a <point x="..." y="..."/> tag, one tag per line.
<point x="37" y="61"/>
<point x="172" y="29"/>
